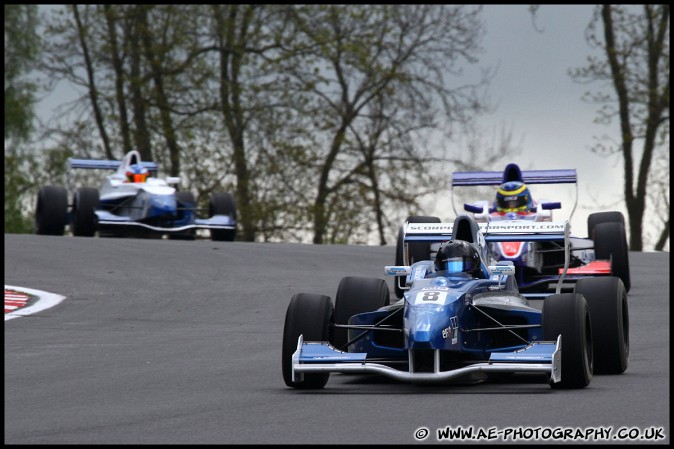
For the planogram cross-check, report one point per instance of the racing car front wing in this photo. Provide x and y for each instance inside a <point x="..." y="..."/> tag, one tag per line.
<point x="538" y="357"/>
<point x="215" y="222"/>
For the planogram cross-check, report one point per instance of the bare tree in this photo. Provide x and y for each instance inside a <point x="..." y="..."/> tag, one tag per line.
<point x="353" y="56"/>
<point x="233" y="25"/>
<point x="316" y="115"/>
<point x="82" y="32"/>
<point x="117" y="62"/>
<point x="658" y="194"/>
<point x="635" y="62"/>
<point x="21" y="56"/>
<point x="155" y="53"/>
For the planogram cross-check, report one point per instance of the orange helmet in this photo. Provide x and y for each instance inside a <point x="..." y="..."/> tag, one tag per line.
<point x="136" y="173"/>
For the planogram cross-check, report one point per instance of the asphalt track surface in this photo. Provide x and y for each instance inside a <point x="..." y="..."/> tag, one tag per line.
<point x="176" y="342"/>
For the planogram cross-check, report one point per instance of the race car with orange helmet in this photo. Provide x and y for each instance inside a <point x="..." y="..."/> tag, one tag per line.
<point x="604" y="252"/>
<point x="131" y="202"/>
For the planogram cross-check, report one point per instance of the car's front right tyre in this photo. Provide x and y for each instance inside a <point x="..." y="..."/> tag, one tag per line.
<point x="357" y="295"/>
<point x="568" y="314"/>
<point x="309" y="315"/>
<point x="51" y="211"/>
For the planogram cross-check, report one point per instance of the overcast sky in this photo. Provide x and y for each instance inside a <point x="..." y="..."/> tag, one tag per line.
<point x="540" y="103"/>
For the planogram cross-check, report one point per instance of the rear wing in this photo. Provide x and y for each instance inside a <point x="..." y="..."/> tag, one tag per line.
<point x="499" y="231"/>
<point x="495" y="178"/>
<point x="494" y="231"/>
<point x="106" y="164"/>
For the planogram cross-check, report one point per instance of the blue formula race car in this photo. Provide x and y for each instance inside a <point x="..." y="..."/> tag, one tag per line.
<point x="131" y="202"/>
<point x="461" y="319"/>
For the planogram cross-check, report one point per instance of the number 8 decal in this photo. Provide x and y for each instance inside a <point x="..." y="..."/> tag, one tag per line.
<point x="431" y="297"/>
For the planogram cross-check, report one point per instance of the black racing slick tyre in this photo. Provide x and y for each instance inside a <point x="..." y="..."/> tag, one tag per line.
<point x="607" y="300"/>
<point x="85" y="203"/>
<point x="309" y="315"/>
<point x="185" y="200"/>
<point x="610" y="243"/>
<point x="568" y="314"/>
<point x="222" y="204"/>
<point x="603" y="217"/>
<point x="357" y="295"/>
<point x="51" y="211"/>
<point x="417" y="250"/>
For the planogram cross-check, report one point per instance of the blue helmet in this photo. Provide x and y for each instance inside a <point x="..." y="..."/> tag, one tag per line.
<point x="513" y="196"/>
<point x="458" y="256"/>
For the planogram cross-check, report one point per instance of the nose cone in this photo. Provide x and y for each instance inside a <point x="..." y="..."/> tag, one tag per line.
<point x="425" y="329"/>
<point x="429" y="312"/>
<point x="420" y="335"/>
<point x="164" y="203"/>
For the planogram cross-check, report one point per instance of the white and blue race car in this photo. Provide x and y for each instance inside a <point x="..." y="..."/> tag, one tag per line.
<point x="538" y="265"/>
<point x="124" y="206"/>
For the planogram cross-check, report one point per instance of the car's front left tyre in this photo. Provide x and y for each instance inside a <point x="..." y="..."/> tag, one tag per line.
<point x="603" y="217"/>
<point x="186" y="202"/>
<point x="222" y="204"/>
<point x="607" y="300"/>
<point x="610" y="243"/>
<point x="85" y="203"/>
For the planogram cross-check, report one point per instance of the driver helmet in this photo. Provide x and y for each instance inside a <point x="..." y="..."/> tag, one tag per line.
<point x="458" y="256"/>
<point x="513" y="196"/>
<point x="136" y="173"/>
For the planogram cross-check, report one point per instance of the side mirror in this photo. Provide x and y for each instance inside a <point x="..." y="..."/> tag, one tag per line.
<point x="551" y="206"/>
<point x="472" y="208"/>
<point x="397" y="270"/>
<point x="502" y="269"/>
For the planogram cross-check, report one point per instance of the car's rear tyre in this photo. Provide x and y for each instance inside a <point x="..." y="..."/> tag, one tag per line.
<point x="309" y="315"/>
<point x="607" y="300"/>
<point x="417" y="250"/>
<point x="603" y="217"/>
<point x="185" y="200"/>
<point x="51" y="211"/>
<point x="85" y="203"/>
<point x="222" y="204"/>
<point x="610" y="242"/>
<point x="568" y="314"/>
<point x="357" y="295"/>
